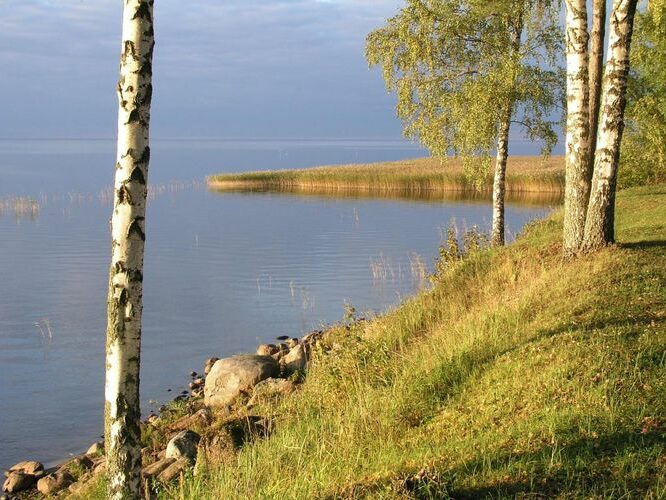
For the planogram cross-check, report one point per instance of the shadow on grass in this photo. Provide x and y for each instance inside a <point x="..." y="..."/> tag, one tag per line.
<point x="584" y="467"/>
<point x="641" y="245"/>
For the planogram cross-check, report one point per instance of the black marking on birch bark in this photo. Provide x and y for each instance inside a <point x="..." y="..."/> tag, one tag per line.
<point x="135" y="275"/>
<point x="146" y="69"/>
<point x="119" y="267"/>
<point x="128" y="51"/>
<point x="133" y="117"/>
<point x="147" y="95"/>
<point x="135" y="228"/>
<point x="124" y="195"/>
<point x="129" y="152"/>
<point x="137" y="173"/>
<point x="149" y="32"/>
<point x="143" y="12"/>
<point x="123" y="297"/>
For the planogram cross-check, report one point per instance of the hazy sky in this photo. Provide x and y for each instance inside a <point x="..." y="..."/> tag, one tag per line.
<point x="233" y="68"/>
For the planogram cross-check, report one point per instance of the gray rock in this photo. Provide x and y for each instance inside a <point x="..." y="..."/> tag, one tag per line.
<point x="267" y="349"/>
<point x="28" y="467"/>
<point x="232" y="376"/>
<point x="18" y="481"/>
<point x="291" y="343"/>
<point x="208" y="365"/>
<point x="296" y="359"/>
<point x="96" y="449"/>
<point x="53" y="483"/>
<point x="174" y="470"/>
<point x="183" y="445"/>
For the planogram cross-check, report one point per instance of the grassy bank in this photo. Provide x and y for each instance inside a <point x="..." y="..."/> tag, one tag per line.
<point x="518" y="373"/>
<point x="419" y="177"/>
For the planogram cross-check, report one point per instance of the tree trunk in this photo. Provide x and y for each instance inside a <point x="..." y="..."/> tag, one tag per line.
<point x="599" y="227"/>
<point x="596" y="74"/>
<point x="577" y="187"/>
<point x="499" y="185"/>
<point x="515" y="27"/>
<point x="125" y="304"/>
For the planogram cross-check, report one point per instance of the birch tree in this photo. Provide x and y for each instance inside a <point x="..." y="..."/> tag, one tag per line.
<point x="599" y="225"/>
<point x="577" y="150"/>
<point x="465" y="71"/>
<point x="124" y="305"/>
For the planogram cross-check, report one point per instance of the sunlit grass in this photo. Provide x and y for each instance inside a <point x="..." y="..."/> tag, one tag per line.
<point x="517" y="373"/>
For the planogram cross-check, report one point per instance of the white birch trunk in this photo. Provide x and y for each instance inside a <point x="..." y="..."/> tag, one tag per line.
<point x="599" y="227"/>
<point x="499" y="184"/>
<point x="124" y="305"/>
<point x="596" y="74"/>
<point x="577" y="186"/>
<point x="503" y="129"/>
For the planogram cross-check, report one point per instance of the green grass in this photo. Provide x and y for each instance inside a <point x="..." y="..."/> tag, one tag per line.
<point x="421" y="177"/>
<point x="517" y="374"/>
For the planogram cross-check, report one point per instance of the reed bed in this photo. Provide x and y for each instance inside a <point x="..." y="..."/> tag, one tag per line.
<point x="421" y="177"/>
<point x="20" y="207"/>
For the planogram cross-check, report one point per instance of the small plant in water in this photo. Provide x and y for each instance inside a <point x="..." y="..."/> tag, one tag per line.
<point x="454" y="248"/>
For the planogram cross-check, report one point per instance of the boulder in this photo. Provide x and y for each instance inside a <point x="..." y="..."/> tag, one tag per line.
<point x="296" y="359"/>
<point x="28" y="467"/>
<point x="174" y="470"/>
<point x="183" y="445"/>
<point x="18" y="481"/>
<point x="53" y="483"/>
<point x="230" y="377"/>
<point x="291" y="343"/>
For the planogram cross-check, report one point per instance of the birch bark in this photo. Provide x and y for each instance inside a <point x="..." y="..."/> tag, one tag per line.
<point x="124" y="305"/>
<point x="499" y="178"/>
<point x="499" y="184"/>
<point x="599" y="226"/>
<point x="596" y="74"/>
<point x="577" y="186"/>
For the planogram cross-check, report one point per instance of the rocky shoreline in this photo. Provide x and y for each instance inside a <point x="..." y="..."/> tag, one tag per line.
<point x="208" y="424"/>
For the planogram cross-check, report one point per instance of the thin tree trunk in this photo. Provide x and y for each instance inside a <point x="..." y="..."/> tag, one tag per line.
<point x="596" y="74"/>
<point x="499" y="184"/>
<point x="599" y="227"/>
<point x="503" y="129"/>
<point x="125" y="304"/>
<point x="577" y="186"/>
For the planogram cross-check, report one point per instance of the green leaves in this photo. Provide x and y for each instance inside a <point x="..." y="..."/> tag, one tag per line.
<point x="455" y="66"/>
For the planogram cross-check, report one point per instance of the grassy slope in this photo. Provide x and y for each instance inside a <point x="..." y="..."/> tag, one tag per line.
<point x="518" y="373"/>
<point x="414" y="176"/>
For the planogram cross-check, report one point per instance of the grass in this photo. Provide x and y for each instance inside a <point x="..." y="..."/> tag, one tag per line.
<point x="518" y="374"/>
<point x="421" y="177"/>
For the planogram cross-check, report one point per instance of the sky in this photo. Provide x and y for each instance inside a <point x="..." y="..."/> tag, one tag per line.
<point x="222" y="68"/>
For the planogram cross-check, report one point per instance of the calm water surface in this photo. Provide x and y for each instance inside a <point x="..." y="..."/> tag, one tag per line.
<point x="223" y="272"/>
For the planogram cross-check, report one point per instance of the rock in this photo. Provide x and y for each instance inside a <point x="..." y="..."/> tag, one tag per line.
<point x="53" y="483"/>
<point x="230" y="377"/>
<point x="291" y="343"/>
<point x="77" y="464"/>
<point x="270" y="388"/>
<point x="96" y="449"/>
<point x="267" y="349"/>
<point x="219" y="448"/>
<point x="197" y="382"/>
<point x="193" y="374"/>
<point x="174" y="470"/>
<point x="208" y="365"/>
<point x="296" y="359"/>
<point x="156" y="468"/>
<point x="28" y="467"/>
<point x="18" y="481"/>
<point x="202" y="418"/>
<point x="183" y="445"/>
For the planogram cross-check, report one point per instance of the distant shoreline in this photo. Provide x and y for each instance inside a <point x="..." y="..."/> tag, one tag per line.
<point x="419" y="177"/>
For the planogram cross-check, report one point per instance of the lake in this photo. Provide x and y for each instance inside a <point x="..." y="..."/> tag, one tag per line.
<point x="223" y="272"/>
